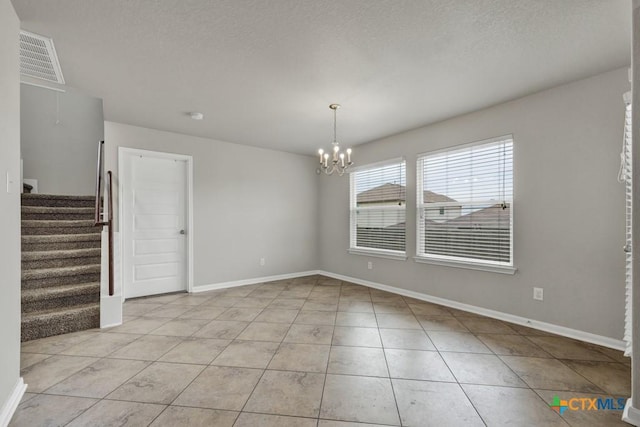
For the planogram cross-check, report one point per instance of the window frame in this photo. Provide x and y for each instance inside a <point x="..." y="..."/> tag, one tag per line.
<point x="453" y="261"/>
<point x="365" y="251"/>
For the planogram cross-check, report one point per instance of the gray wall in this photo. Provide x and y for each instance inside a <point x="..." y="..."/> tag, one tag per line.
<point x="568" y="208"/>
<point x="249" y="203"/>
<point x="9" y="202"/>
<point x="60" y="133"/>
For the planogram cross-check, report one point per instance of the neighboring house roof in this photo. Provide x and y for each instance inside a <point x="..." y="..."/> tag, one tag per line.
<point x="489" y="217"/>
<point x="396" y="193"/>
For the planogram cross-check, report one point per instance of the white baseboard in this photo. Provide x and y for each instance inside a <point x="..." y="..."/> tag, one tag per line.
<point x="535" y="324"/>
<point x="9" y="407"/>
<point x="631" y="415"/>
<point x="110" y="311"/>
<point x="253" y="281"/>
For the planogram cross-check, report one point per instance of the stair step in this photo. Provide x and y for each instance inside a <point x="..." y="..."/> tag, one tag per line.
<point x="40" y="324"/>
<point x="63" y="258"/>
<point x="57" y="200"/>
<point x="49" y="227"/>
<point x="48" y="277"/>
<point x="60" y="242"/>
<point x="59" y="213"/>
<point x="60" y="297"/>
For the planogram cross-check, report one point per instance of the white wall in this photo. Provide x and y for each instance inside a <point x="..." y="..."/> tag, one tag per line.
<point x="249" y="203"/>
<point x="59" y="139"/>
<point x="9" y="203"/>
<point x="568" y="208"/>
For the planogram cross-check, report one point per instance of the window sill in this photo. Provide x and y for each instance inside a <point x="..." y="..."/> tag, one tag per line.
<point x="503" y="269"/>
<point x="401" y="256"/>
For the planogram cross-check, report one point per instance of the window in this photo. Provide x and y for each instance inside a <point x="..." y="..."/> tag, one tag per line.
<point x="464" y="203"/>
<point x="378" y="209"/>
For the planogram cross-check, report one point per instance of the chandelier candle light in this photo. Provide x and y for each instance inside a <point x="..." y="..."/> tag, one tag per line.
<point x="337" y="163"/>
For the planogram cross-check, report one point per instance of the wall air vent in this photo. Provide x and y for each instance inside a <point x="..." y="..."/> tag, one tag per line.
<point x="38" y="58"/>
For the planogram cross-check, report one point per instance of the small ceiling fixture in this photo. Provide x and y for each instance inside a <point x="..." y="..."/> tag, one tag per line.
<point x="196" y="115"/>
<point x="338" y="163"/>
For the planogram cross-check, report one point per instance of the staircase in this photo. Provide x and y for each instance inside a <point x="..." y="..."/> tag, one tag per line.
<point x="60" y="265"/>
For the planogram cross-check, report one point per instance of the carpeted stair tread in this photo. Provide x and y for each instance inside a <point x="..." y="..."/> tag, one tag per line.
<point x="57" y="200"/>
<point x="70" y="253"/>
<point x="62" y="238"/>
<point x="45" y="273"/>
<point x="52" y="212"/>
<point x="31" y="295"/>
<point x="52" y="226"/>
<point x="46" y="323"/>
<point x="59" y="223"/>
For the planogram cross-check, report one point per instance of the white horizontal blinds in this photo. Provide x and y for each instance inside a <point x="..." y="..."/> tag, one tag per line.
<point x="625" y="176"/>
<point x="464" y="203"/>
<point x="378" y="207"/>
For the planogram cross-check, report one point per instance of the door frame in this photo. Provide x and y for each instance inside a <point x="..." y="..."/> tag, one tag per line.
<point x="124" y="151"/>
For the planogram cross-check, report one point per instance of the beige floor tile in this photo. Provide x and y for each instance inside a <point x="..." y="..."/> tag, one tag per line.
<point x="51" y="371"/>
<point x="295" y="293"/>
<point x="221" y="301"/>
<point x="140" y="325"/>
<point x="200" y="351"/>
<point x="316" y="305"/>
<point x="397" y="321"/>
<point x="28" y="359"/>
<point x="301" y="357"/>
<point x="203" y="312"/>
<point x="331" y="423"/>
<point x="500" y="406"/>
<point x="265" y="293"/>
<point x="359" y="399"/>
<point x="275" y="315"/>
<point x="158" y="383"/>
<point x="240" y="292"/>
<point x="169" y="311"/>
<point x="353" y="336"/>
<point x="287" y="393"/>
<point x="441" y="324"/>
<point x="358" y="361"/>
<point x="221" y="329"/>
<point x="180" y="327"/>
<point x="100" y="345"/>
<point x="566" y="348"/>
<point x="406" y="339"/>
<point x="99" y="379"/>
<point x="417" y="365"/>
<point x="261" y="331"/>
<point x="428" y="309"/>
<point x="309" y="334"/>
<point x="55" y="344"/>
<point x="250" y="302"/>
<point x="107" y="413"/>
<point x="512" y="345"/>
<point x="355" y="296"/>
<point x="219" y="387"/>
<point x="287" y="303"/>
<point x="132" y="308"/>
<point x="247" y="354"/>
<point x="457" y="341"/>
<point x="391" y="308"/>
<point x="582" y="418"/>
<point x="240" y="314"/>
<point x="486" y="326"/>
<point x="437" y="404"/>
<point x="355" y="306"/>
<point x="550" y="374"/>
<point x="163" y="299"/>
<point x="175" y="416"/>
<point x="363" y="320"/>
<point x="254" y="420"/>
<point x="613" y="378"/>
<point x="149" y="347"/>
<point x="49" y="410"/>
<point x="486" y="369"/>
<point x="191" y="299"/>
<point x="316" y="318"/>
<point x="530" y="332"/>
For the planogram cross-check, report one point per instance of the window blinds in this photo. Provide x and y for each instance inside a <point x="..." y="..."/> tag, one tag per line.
<point x="378" y="207"/>
<point x="625" y="176"/>
<point x="464" y="203"/>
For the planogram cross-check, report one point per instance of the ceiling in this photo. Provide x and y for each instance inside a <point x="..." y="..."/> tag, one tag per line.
<point x="264" y="72"/>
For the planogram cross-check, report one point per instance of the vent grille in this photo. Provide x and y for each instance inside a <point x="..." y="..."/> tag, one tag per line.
<point x="38" y="58"/>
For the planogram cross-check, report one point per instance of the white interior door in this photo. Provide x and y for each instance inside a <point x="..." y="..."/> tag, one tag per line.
<point x="153" y="224"/>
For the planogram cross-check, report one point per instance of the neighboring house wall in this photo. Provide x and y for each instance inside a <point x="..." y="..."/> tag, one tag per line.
<point x="9" y="205"/>
<point x="60" y="134"/>
<point x="566" y="157"/>
<point x="246" y="206"/>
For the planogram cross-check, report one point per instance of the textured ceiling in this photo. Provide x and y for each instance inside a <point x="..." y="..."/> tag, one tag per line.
<point x="264" y="72"/>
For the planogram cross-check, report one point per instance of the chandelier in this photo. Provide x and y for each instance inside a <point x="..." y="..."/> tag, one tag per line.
<point x="338" y="163"/>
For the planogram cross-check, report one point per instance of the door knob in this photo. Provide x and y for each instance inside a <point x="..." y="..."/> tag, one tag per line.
<point x="182" y="232"/>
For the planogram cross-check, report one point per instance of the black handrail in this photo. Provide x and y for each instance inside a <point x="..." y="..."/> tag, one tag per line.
<point x="99" y="214"/>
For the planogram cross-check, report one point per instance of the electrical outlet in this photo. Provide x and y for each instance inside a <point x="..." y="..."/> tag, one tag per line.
<point x="538" y="294"/>
<point x="370" y="265"/>
<point x="262" y="262"/>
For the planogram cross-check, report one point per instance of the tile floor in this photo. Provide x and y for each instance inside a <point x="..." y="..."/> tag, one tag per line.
<point x="312" y="351"/>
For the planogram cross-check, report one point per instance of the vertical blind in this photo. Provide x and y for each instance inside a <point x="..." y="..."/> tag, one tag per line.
<point x="626" y="177"/>
<point x="464" y="203"/>
<point x="378" y="207"/>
